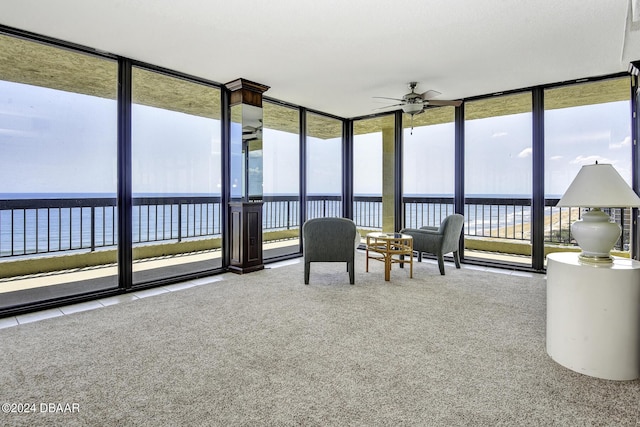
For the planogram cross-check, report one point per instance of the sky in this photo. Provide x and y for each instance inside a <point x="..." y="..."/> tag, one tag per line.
<point x="54" y="141"/>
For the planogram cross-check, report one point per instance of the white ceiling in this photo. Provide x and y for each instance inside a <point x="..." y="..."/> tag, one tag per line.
<point x="335" y="55"/>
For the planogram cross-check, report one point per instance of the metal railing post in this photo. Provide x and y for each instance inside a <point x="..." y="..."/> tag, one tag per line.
<point x="179" y="221"/>
<point x="93" y="229"/>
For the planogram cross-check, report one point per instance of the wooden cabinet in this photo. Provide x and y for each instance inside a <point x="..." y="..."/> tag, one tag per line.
<point x="246" y="237"/>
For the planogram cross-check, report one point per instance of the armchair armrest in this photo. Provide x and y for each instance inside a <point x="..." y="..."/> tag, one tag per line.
<point x="422" y="231"/>
<point x="425" y="240"/>
<point x="429" y="228"/>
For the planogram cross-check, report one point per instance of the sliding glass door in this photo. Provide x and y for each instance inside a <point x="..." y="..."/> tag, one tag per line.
<point x="176" y="179"/>
<point x="498" y="178"/>
<point x="324" y="166"/>
<point x="281" y="180"/>
<point x="58" y="168"/>
<point x="374" y="174"/>
<point x="428" y="160"/>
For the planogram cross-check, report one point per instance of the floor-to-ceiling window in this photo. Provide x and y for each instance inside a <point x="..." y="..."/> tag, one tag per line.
<point x="498" y="177"/>
<point x="176" y="178"/>
<point x="58" y="169"/>
<point x="324" y="166"/>
<point x="374" y="173"/>
<point x="428" y="167"/>
<point x="281" y="179"/>
<point x="585" y="123"/>
<point x="58" y="164"/>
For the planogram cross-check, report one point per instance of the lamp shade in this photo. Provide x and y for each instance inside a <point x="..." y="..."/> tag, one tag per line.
<point x="599" y="186"/>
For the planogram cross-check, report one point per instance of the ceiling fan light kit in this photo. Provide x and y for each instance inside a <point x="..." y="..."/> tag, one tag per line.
<point x="412" y="108"/>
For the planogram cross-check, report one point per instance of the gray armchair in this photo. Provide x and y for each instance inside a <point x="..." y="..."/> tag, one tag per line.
<point x="329" y="240"/>
<point x="438" y="240"/>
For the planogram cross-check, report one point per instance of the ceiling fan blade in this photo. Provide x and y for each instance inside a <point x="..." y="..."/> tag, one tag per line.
<point x="387" y="107"/>
<point x="381" y="101"/>
<point x="442" y="102"/>
<point x="384" y="97"/>
<point x="430" y="94"/>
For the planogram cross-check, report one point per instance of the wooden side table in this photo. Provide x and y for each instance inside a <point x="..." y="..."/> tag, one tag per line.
<point x="593" y="316"/>
<point x="388" y="248"/>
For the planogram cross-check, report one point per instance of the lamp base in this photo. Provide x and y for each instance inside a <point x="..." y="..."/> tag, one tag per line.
<point x="596" y="235"/>
<point x="597" y="260"/>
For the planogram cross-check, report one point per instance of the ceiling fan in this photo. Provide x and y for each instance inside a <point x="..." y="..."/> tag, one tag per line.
<point x="415" y="103"/>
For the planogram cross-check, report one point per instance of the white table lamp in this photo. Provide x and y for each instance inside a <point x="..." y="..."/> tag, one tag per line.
<point x="597" y="186"/>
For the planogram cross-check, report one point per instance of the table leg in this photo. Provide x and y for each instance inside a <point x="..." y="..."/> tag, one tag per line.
<point x="367" y="257"/>
<point x="411" y="268"/>
<point x="387" y="267"/>
<point x="411" y="259"/>
<point x="387" y="263"/>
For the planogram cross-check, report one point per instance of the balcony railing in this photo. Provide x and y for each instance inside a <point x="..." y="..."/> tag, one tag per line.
<point x="37" y="226"/>
<point x="507" y="218"/>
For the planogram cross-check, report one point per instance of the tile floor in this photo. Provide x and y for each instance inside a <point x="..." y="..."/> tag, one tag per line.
<point x="104" y="302"/>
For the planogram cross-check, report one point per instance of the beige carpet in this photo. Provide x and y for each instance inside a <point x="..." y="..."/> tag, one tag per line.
<point x="264" y="349"/>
